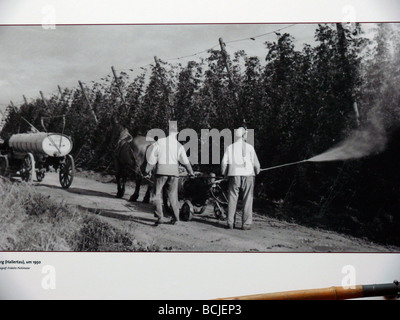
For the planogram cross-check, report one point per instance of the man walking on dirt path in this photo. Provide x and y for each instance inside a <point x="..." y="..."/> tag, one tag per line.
<point x="240" y="163"/>
<point x="166" y="154"/>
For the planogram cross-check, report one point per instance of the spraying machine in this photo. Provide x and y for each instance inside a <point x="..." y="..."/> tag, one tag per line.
<point x="27" y="154"/>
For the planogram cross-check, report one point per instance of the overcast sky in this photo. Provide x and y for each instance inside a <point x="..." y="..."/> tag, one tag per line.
<point x="35" y="59"/>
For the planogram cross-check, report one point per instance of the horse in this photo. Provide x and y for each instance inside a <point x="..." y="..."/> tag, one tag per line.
<point x="130" y="157"/>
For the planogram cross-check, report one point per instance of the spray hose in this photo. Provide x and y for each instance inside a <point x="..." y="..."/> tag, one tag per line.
<point x="284" y="165"/>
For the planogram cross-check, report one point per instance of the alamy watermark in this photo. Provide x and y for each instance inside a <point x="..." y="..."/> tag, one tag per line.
<point x="205" y="149"/>
<point x="49" y="17"/>
<point x="349" y="280"/>
<point x="349" y="17"/>
<point x="49" y="280"/>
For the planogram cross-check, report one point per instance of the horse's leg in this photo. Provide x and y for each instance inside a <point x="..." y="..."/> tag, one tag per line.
<point x="120" y="186"/>
<point x="121" y="180"/>
<point x="146" y="198"/>
<point x="119" y="177"/>
<point x="119" y="191"/>
<point x="135" y="195"/>
<point x="123" y="183"/>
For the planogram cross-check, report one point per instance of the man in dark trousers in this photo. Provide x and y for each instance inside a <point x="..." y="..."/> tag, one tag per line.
<point x="240" y="164"/>
<point x="166" y="154"/>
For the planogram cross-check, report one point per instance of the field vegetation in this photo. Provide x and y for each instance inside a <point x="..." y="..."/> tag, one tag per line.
<point x="31" y="221"/>
<point x="300" y="102"/>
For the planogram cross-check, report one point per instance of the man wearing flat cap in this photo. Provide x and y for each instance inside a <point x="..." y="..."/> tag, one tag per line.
<point x="240" y="164"/>
<point x="165" y="155"/>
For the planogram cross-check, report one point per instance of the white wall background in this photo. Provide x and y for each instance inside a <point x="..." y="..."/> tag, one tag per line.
<point x="190" y="275"/>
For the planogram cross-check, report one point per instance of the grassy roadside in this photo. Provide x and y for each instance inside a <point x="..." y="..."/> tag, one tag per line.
<point x="30" y="221"/>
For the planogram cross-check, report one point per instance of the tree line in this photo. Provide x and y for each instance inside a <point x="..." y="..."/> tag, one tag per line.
<point x="300" y="102"/>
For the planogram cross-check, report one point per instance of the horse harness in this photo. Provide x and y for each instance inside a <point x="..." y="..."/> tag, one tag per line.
<point x="126" y="139"/>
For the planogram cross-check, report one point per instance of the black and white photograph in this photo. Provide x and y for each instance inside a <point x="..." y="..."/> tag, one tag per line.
<point x="158" y="138"/>
<point x="322" y="170"/>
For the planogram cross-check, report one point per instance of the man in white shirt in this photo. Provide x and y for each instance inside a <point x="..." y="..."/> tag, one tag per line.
<point x="240" y="164"/>
<point x="166" y="154"/>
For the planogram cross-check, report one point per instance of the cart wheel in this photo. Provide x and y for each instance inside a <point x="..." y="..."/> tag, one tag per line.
<point x="4" y="166"/>
<point x="40" y="176"/>
<point x="28" y="167"/>
<point x="219" y="213"/>
<point x="186" y="212"/>
<point x="67" y="171"/>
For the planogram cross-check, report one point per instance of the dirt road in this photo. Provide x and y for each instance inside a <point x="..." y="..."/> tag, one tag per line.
<point x="204" y="232"/>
